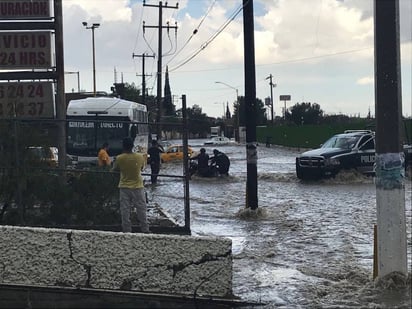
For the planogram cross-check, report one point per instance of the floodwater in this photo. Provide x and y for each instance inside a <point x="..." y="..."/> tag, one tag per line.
<point x="309" y="245"/>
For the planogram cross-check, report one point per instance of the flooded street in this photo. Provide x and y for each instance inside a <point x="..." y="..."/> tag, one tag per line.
<point x="310" y="245"/>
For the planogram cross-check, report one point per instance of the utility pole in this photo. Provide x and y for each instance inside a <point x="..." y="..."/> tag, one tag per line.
<point x="159" y="59"/>
<point x="60" y="95"/>
<point x="390" y="186"/>
<point x="186" y="164"/>
<point x="143" y="56"/>
<point x="272" y="85"/>
<point x="250" y="105"/>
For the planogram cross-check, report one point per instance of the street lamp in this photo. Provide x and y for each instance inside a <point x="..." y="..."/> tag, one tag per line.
<point x="237" y="104"/>
<point x="92" y="27"/>
<point x="78" y="79"/>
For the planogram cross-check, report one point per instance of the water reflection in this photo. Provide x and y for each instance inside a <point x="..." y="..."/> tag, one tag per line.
<point x="309" y="245"/>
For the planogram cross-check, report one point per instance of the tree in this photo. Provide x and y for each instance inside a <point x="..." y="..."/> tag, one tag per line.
<point x="151" y="104"/>
<point x="305" y="113"/>
<point x="127" y="91"/>
<point x="131" y="92"/>
<point x="198" y="122"/>
<point x="239" y="112"/>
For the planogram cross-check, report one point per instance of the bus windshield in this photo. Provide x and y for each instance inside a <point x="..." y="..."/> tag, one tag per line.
<point x="86" y="137"/>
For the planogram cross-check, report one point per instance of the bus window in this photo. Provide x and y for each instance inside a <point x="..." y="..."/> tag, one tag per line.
<point x="133" y="131"/>
<point x="112" y="133"/>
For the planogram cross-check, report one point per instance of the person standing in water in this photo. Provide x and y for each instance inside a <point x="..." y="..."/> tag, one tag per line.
<point x="154" y="158"/>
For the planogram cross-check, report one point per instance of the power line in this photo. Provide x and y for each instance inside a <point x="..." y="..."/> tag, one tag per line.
<point x="235" y="67"/>
<point x="138" y="31"/>
<point x="143" y="56"/>
<point x="194" y="32"/>
<point x="169" y="52"/>
<point x="159" y="58"/>
<point x="214" y="36"/>
<point x="318" y="57"/>
<point x="144" y="38"/>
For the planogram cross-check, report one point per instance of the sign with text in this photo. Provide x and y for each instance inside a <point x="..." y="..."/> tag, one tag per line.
<point x="24" y="9"/>
<point x="91" y="125"/>
<point x="284" y="98"/>
<point x="26" y="100"/>
<point x="25" y="49"/>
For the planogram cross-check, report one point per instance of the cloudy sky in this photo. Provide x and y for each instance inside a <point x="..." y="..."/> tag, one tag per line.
<point x="318" y="51"/>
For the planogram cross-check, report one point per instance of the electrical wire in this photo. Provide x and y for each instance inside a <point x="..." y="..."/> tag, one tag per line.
<point x="169" y="52"/>
<point x="317" y="23"/>
<point x="153" y="84"/>
<point x="137" y="37"/>
<point x="210" y="40"/>
<point x="170" y="40"/>
<point x="171" y="44"/>
<point x="139" y="29"/>
<point x="318" y="57"/>
<point x="172" y="17"/>
<point x="148" y="44"/>
<point x="193" y="33"/>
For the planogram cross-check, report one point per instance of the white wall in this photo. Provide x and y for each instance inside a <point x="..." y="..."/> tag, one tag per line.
<point x="109" y="260"/>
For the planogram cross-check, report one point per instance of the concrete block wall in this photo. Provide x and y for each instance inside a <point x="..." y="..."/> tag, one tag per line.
<point x="119" y="261"/>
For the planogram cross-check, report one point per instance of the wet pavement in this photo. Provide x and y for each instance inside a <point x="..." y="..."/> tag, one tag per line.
<point x="310" y="245"/>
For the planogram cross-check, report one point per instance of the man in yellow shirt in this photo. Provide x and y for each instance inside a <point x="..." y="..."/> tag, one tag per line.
<point x="131" y="187"/>
<point x="103" y="158"/>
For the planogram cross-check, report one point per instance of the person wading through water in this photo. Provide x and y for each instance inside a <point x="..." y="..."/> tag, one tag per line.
<point x="154" y="158"/>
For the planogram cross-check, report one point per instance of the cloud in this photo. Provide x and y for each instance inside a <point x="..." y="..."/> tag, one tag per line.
<point x="302" y="29"/>
<point x="311" y="47"/>
<point x="367" y="80"/>
<point x="107" y="10"/>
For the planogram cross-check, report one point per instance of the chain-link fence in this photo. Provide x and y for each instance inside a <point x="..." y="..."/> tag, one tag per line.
<point x="36" y="191"/>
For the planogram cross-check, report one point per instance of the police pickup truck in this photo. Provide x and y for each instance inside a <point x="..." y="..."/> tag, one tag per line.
<point x="353" y="149"/>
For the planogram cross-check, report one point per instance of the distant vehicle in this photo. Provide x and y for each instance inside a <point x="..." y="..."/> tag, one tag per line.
<point x="353" y="149"/>
<point x="45" y="156"/>
<point x="164" y="144"/>
<point x="175" y="153"/>
<point x="215" y="131"/>
<point x="93" y="121"/>
<point x="219" y="140"/>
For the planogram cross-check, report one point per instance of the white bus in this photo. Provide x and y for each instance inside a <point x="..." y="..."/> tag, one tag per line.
<point x="96" y="120"/>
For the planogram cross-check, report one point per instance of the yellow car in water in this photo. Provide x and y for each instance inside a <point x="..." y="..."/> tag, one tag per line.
<point x="174" y="153"/>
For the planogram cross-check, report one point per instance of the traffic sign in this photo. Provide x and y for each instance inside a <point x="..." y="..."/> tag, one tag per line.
<point x="284" y="98"/>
